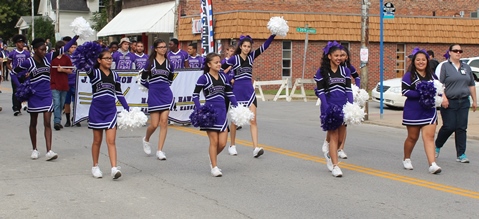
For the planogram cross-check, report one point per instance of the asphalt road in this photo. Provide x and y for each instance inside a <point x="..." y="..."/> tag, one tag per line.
<point x="289" y="181"/>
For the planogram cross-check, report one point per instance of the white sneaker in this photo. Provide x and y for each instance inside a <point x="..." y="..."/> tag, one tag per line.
<point x="146" y="147"/>
<point x="258" y="151"/>
<point x="337" y="171"/>
<point x="35" y="154"/>
<point x="407" y="164"/>
<point x="325" y="147"/>
<point x="51" y="155"/>
<point x="342" y="154"/>
<point x="329" y="163"/>
<point x="232" y="150"/>
<point x="216" y="172"/>
<point x="434" y="168"/>
<point x="115" y="172"/>
<point x="161" y="155"/>
<point x="96" y="172"/>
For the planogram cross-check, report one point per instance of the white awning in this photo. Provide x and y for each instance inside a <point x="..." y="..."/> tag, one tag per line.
<point x="156" y="18"/>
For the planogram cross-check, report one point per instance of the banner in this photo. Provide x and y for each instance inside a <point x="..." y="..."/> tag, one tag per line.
<point x="207" y="41"/>
<point x="183" y="85"/>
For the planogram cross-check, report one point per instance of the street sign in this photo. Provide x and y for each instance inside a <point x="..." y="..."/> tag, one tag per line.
<point x="305" y="30"/>
<point x="388" y="10"/>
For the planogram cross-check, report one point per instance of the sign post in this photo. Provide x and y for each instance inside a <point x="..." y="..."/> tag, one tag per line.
<point x="307" y="31"/>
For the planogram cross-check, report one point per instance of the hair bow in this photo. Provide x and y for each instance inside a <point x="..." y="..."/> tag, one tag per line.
<point x="242" y="37"/>
<point x="416" y="50"/>
<point x="446" y="55"/>
<point x="331" y="45"/>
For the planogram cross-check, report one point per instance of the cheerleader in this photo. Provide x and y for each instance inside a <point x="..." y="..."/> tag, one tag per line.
<point x="241" y="74"/>
<point x="357" y="81"/>
<point x="334" y="89"/>
<point x="157" y="77"/>
<point x="41" y="101"/>
<point x="106" y="89"/>
<point x="215" y="87"/>
<point x="418" y="116"/>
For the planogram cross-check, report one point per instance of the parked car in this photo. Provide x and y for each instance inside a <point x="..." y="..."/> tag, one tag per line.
<point x="474" y="63"/>
<point x="392" y="94"/>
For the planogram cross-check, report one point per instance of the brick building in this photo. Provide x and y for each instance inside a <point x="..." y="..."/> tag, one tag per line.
<point x="432" y="24"/>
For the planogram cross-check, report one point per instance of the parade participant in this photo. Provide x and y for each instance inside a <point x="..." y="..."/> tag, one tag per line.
<point x="41" y="101"/>
<point x="417" y="116"/>
<point x="157" y="77"/>
<point x="215" y="87"/>
<point x="71" y="90"/>
<point x="357" y="81"/>
<point x="113" y="48"/>
<point x="59" y="73"/>
<point x="4" y="55"/>
<point x="241" y="74"/>
<point x="141" y="57"/>
<point x="334" y="89"/>
<point x="458" y="84"/>
<point x="177" y="57"/>
<point x="194" y="59"/>
<point x="15" y="58"/>
<point x="102" y="116"/>
<point x="123" y="59"/>
<point x="230" y="52"/>
<point x="133" y="46"/>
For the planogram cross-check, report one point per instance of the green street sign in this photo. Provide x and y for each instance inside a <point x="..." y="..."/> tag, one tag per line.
<point x="305" y="30"/>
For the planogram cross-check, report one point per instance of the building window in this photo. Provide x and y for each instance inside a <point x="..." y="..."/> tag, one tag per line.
<point x="101" y="4"/>
<point x="400" y="60"/>
<point x="287" y="50"/>
<point x="346" y="45"/>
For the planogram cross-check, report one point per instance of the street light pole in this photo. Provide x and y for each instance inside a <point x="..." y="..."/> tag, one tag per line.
<point x="33" y="20"/>
<point x="364" y="47"/>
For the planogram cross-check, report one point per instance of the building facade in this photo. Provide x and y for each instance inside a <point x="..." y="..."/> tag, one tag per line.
<point x="426" y="24"/>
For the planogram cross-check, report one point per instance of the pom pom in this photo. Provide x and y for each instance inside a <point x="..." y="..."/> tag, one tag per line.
<point x="140" y="86"/>
<point x="332" y="118"/>
<point x="82" y="28"/>
<point x="438" y="100"/>
<point x="204" y="117"/>
<point x="241" y="115"/>
<point x="132" y="119"/>
<point x="360" y="96"/>
<point x="24" y="91"/>
<point x="427" y="92"/>
<point x="278" y="26"/>
<point x="439" y="87"/>
<point x="85" y="56"/>
<point x="353" y="114"/>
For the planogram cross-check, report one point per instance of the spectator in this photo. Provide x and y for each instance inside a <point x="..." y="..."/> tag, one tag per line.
<point x="433" y="63"/>
<point x="113" y="47"/>
<point x="177" y="57"/>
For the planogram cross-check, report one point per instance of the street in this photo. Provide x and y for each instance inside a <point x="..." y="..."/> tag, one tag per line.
<point x="289" y="181"/>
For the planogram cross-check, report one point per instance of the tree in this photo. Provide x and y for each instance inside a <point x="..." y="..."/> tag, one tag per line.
<point x="10" y="13"/>
<point x="44" y="28"/>
<point x="100" y="19"/>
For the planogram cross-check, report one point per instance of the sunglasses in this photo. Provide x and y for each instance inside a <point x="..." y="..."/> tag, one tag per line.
<point x="457" y="51"/>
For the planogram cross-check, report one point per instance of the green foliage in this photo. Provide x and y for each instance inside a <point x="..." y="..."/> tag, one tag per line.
<point x="10" y="13"/>
<point x="44" y="28"/>
<point x="99" y="19"/>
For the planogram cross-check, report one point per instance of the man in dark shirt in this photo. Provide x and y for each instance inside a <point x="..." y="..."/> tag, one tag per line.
<point x="433" y="63"/>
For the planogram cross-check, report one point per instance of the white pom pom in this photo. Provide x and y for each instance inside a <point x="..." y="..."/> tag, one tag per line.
<point x="278" y="26"/>
<point x="438" y="100"/>
<point x="439" y="87"/>
<point x="355" y="89"/>
<point x="82" y="28"/>
<point x="361" y="97"/>
<point x="135" y="118"/>
<point x="241" y="115"/>
<point x="140" y="86"/>
<point x="353" y="114"/>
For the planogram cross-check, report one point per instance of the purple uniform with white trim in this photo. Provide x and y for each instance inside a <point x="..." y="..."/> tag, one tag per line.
<point x="18" y="57"/>
<point x="140" y="61"/>
<point x="177" y="59"/>
<point x="338" y="90"/>
<point x="158" y="81"/>
<point x="355" y="74"/>
<point x="413" y="112"/>
<point x="106" y="89"/>
<point x="196" y="62"/>
<point x="215" y="91"/>
<point x="123" y="61"/>
<point x="242" y="72"/>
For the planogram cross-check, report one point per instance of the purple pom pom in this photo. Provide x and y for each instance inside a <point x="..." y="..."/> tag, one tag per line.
<point x="24" y="91"/>
<point x="332" y="118"/>
<point x="84" y="57"/>
<point x="204" y="117"/>
<point x="427" y="92"/>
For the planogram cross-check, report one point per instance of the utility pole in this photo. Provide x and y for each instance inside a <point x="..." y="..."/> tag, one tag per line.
<point x="33" y="20"/>
<point x="57" y="22"/>
<point x="364" y="49"/>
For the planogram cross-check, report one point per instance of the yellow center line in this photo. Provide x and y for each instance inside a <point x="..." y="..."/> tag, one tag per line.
<point x="357" y="168"/>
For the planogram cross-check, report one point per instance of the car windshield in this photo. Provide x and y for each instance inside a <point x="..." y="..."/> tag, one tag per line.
<point x="464" y="61"/>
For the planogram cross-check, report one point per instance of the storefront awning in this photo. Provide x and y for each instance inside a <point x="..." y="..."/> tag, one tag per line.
<point x="156" y="18"/>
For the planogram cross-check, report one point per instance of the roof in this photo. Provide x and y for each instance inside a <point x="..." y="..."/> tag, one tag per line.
<point x="28" y="20"/>
<point x="161" y="19"/>
<point x="71" y="5"/>
<point x="341" y="27"/>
